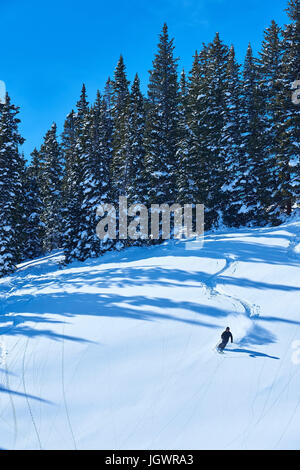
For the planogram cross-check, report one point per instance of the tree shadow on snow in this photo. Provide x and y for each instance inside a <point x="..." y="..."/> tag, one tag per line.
<point x="69" y="292"/>
<point x="23" y="395"/>
<point x="257" y="335"/>
<point x="253" y="354"/>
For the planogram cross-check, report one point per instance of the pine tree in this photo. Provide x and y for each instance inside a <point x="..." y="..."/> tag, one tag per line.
<point x="162" y="125"/>
<point x="186" y="184"/>
<point x="33" y="227"/>
<point x="269" y="70"/>
<point x="95" y="162"/>
<point x="231" y="141"/>
<point x="214" y="122"/>
<point x="71" y="189"/>
<point x="82" y="110"/>
<point x="252" y="187"/>
<point x="75" y="143"/>
<point x="194" y="171"/>
<point x="11" y="165"/>
<point x="289" y="114"/>
<point x="103" y="134"/>
<point x="136" y="188"/>
<point x="101" y="131"/>
<point x="19" y="218"/>
<point x="106" y="131"/>
<point x="120" y="113"/>
<point x="207" y="121"/>
<point x="51" y="181"/>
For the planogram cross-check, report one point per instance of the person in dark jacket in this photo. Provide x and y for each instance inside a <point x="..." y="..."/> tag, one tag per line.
<point x="226" y="336"/>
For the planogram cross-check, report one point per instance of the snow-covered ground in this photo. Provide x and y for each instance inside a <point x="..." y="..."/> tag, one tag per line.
<point x="118" y="352"/>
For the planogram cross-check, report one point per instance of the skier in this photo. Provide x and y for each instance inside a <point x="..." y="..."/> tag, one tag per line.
<point x="226" y="335"/>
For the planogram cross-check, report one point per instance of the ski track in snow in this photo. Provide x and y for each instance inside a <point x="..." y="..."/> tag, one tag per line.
<point x="3" y="362"/>
<point x="27" y="398"/>
<point x="231" y="263"/>
<point x="64" y="390"/>
<point x="5" y="305"/>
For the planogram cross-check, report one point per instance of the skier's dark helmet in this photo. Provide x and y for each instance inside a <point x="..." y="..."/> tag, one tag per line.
<point x="227" y="329"/>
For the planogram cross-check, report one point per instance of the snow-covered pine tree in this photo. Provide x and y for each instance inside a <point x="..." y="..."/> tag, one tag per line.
<point x="120" y="113"/>
<point x="51" y="181"/>
<point x="89" y="244"/>
<point x="206" y="115"/>
<point x="71" y="189"/>
<point x="269" y="67"/>
<point x="230" y="150"/>
<point x="136" y="187"/>
<point x="193" y="181"/>
<point x="19" y="218"/>
<point x="187" y="167"/>
<point x="101" y="136"/>
<point x="106" y="131"/>
<point x="253" y="185"/>
<point x="95" y="164"/>
<point x="75" y="142"/>
<point x="82" y="110"/>
<point x="214" y="122"/>
<point x="162" y="125"/>
<point x="11" y="167"/>
<point x="108" y="103"/>
<point x="103" y="133"/>
<point x="33" y="227"/>
<point x="289" y="115"/>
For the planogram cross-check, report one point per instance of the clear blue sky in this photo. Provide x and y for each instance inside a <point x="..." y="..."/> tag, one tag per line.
<point x="48" y="49"/>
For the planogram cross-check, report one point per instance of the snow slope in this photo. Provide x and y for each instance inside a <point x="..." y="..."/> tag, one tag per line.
<point x="118" y="352"/>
